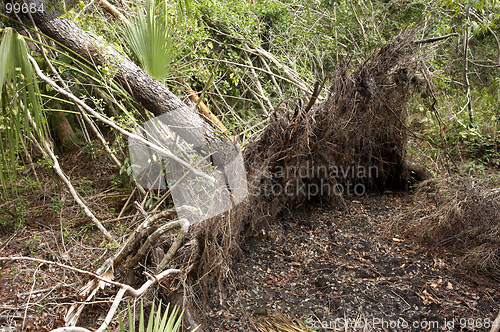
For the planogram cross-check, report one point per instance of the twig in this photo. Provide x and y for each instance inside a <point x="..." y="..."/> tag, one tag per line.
<point x="359" y="22"/>
<point x="93" y="275"/>
<point x="49" y="289"/>
<point x="200" y="99"/>
<point x="101" y="95"/>
<point x="32" y="164"/>
<point x="126" y="203"/>
<point x="466" y="68"/>
<point x="29" y="297"/>
<point x="280" y="93"/>
<point x="256" y="96"/>
<point x="8" y="240"/>
<point x="172" y="187"/>
<point x="140" y="209"/>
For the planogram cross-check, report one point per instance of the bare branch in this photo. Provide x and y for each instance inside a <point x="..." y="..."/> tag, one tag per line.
<point x="257" y="83"/>
<point x="113" y="11"/>
<point x="435" y="39"/>
<point x="132" y="262"/>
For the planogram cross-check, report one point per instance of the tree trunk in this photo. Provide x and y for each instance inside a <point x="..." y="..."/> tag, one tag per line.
<point x="65" y="136"/>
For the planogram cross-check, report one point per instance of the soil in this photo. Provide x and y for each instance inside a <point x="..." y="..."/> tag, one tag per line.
<point x="319" y="264"/>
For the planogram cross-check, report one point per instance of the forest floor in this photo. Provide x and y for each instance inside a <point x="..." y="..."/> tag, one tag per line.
<point x="333" y="268"/>
<point x="320" y="265"/>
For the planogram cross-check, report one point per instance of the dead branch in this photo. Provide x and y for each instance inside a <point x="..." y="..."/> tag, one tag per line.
<point x="173" y="248"/>
<point x="280" y="93"/>
<point x="132" y="262"/>
<point x="203" y="108"/>
<point x="257" y="82"/>
<point x="435" y="39"/>
<point x="256" y="96"/>
<point x="113" y="11"/>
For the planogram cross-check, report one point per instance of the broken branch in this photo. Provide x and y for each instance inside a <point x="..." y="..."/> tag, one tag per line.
<point x="435" y="39"/>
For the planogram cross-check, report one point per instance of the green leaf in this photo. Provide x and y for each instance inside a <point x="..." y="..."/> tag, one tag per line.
<point x="20" y="100"/>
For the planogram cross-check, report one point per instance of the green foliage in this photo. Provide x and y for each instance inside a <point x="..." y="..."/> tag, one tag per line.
<point x="13" y="214"/>
<point x="33" y="244"/>
<point x="157" y="322"/>
<point x="19" y="100"/>
<point x="151" y="36"/>
<point x="56" y="204"/>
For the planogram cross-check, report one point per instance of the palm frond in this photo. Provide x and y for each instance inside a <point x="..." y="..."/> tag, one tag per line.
<point x="19" y="100"/>
<point x="150" y="36"/>
<point x="166" y="322"/>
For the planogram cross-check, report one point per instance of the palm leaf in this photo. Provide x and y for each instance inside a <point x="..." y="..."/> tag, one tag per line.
<point x="150" y="36"/>
<point x="168" y="322"/>
<point x="19" y="94"/>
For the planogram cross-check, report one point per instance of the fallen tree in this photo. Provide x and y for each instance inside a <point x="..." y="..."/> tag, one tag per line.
<point x="352" y="142"/>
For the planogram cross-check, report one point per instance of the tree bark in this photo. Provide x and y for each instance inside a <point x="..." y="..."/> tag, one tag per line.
<point x="65" y="135"/>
